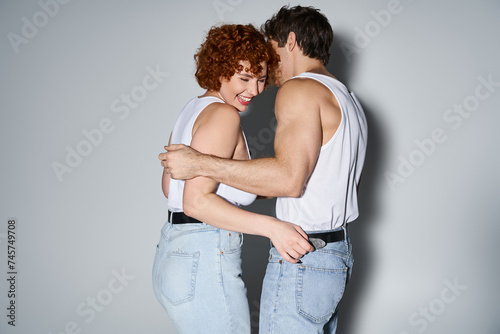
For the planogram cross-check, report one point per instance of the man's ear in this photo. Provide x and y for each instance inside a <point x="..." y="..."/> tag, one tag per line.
<point x="291" y="42"/>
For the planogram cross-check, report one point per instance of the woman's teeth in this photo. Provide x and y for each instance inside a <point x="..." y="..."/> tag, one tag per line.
<point x="245" y="99"/>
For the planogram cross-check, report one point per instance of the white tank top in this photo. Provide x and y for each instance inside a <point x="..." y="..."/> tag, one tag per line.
<point x="182" y="134"/>
<point x="329" y="199"/>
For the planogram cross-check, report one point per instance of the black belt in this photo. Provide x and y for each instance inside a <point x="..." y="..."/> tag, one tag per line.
<point x="327" y="237"/>
<point x="181" y="218"/>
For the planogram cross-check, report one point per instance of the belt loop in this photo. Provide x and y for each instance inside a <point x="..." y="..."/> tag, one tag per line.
<point x="344" y="227"/>
<point x="169" y="216"/>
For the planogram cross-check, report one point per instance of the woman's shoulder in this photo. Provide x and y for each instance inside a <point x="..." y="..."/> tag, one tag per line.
<point x="220" y="116"/>
<point x="220" y="111"/>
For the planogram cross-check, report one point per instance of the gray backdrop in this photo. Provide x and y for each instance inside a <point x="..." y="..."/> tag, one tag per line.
<point x="89" y="92"/>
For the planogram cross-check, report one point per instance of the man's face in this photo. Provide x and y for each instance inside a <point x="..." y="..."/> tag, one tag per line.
<point x="283" y="73"/>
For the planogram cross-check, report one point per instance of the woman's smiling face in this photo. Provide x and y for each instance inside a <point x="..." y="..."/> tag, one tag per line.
<point x="243" y="86"/>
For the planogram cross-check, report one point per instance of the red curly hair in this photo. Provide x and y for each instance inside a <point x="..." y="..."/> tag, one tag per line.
<point x="225" y="46"/>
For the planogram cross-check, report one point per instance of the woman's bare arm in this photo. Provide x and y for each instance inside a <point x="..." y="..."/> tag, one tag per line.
<point x="216" y="132"/>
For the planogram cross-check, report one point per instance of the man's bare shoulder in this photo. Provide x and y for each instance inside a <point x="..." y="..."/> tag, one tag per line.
<point x="306" y="88"/>
<point x="298" y="95"/>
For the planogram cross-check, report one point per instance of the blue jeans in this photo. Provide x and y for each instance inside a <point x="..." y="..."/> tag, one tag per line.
<point x="197" y="279"/>
<point x="302" y="298"/>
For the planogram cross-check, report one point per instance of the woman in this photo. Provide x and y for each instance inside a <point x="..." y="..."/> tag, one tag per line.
<point x="197" y="267"/>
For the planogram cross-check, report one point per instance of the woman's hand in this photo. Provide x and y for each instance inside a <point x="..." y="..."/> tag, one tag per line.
<point x="290" y="241"/>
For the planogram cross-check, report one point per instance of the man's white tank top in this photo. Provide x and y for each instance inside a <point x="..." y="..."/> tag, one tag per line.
<point x="329" y="198"/>
<point x="182" y="134"/>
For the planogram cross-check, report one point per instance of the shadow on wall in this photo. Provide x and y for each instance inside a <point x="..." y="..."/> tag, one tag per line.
<point x="259" y="124"/>
<point x="361" y="229"/>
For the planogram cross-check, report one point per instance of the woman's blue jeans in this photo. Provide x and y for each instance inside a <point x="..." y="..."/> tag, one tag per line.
<point x="197" y="279"/>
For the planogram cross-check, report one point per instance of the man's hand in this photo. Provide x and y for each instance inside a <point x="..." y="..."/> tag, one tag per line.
<point x="290" y="241"/>
<point x="181" y="161"/>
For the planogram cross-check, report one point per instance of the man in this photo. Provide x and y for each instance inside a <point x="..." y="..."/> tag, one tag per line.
<point x="320" y="146"/>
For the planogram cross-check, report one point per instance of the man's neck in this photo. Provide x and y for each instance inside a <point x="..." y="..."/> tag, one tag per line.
<point x="306" y="64"/>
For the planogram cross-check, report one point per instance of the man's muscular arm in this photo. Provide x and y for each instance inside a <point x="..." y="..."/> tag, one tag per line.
<point x="297" y="143"/>
<point x="216" y="131"/>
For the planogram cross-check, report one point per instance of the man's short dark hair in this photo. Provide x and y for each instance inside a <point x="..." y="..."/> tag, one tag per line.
<point x="313" y="32"/>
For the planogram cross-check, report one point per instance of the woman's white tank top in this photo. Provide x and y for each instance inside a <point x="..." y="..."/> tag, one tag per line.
<point x="182" y="134"/>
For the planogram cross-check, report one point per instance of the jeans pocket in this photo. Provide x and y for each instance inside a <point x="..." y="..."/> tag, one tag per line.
<point x="177" y="276"/>
<point x="230" y="242"/>
<point x="318" y="291"/>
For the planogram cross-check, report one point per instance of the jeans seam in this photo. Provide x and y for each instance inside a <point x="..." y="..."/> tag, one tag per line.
<point x="219" y="256"/>
<point x="171" y="237"/>
<point x="276" y="297"/>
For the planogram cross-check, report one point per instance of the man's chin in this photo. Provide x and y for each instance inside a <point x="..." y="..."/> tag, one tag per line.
<point x="278" y="82"/>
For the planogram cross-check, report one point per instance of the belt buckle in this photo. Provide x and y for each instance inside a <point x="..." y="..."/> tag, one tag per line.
<point x="317" y="243"/>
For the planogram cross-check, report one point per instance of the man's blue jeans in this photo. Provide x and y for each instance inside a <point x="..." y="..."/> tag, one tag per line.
<point x="302" y="298"/>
